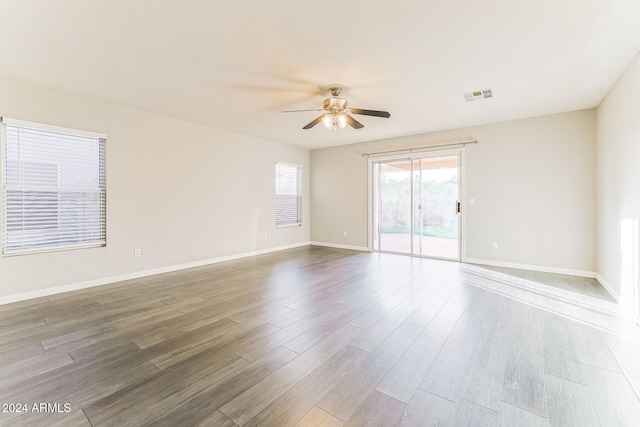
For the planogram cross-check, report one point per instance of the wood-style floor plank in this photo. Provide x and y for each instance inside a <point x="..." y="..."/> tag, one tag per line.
<point x="322" y="336"/>
<point x="217" y="419"/>
<point x="352" y="389"/>
<point x="483" y="382"/>
<point x="251" y="402"/>
<point x="309" y="338"/>
<point x="559" y="355"/>
<point x="426" y="410"/>
<point x="523" y="383"/>
<point x="569" y="403"/>
<point x="403" y="379"/>
<point x="379" y="410"/>
<point x="613" y="397"/>
<point x="465" y="413"/>
<point x="302" y="397"/>
<point x="430" y="308"/>
<point x="381" y="329"/>
<point x="444" y="377"/>
<point x="591" y="348"/>
<point x="225" y="340"/>
<point x="264" y="345"/>
<point x="200" y="406"/>
<point x="511" y="416"/>
<point x="160" y="393"/>
<point x="41" y="362"/>
<point x="626" y="353"/>
<point x="318" y="418"/>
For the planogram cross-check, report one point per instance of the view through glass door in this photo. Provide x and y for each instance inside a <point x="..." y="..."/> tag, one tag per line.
<point x="392" y="206"/>
<point x="415" y="206"/>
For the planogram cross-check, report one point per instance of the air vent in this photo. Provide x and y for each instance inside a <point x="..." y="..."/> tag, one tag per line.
<point x="478" y="95"/>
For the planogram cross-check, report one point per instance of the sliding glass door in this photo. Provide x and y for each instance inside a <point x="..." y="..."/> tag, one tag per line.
<point x="415" y="207"/>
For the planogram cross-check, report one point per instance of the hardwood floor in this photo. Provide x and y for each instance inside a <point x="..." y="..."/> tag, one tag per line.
<point x="323" y="337"/>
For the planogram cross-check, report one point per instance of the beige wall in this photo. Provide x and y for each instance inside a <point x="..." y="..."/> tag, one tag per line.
<point x="532" y="181"/>
<point x="179" y="191"/>
<point x="183" y="193"/>
<point x="618" y="188"/>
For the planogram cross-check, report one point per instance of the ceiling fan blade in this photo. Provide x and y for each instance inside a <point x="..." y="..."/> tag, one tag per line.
<point x="297" y="111"/>
<point x="353" y="122"/>
<point x="376" y="113"/>
<point x="313" y="123"/>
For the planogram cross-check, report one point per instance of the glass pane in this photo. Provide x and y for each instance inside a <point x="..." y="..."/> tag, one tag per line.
<point x="436" y="223"/>
<point x="394" y="206"/>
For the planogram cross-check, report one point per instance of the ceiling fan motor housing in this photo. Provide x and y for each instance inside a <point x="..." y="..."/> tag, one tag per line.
<point x="335" y="104"/>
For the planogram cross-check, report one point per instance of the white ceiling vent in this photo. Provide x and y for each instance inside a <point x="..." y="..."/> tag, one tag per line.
<point x="478" y="95"/>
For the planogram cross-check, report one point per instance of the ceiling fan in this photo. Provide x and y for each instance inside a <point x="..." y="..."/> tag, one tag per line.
<point x="337" y="113"/>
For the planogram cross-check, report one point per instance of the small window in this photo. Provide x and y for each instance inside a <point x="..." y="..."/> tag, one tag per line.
<point x="53" y="188"/>
<point x="288" y="195"/>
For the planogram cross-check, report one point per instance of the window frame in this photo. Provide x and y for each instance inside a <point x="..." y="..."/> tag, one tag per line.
<point x="280" y="197"/>
<point x="100" y="190"/>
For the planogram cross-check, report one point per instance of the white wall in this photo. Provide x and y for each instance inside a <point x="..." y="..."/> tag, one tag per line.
<point x="533" y="181"/>
<point x="179" y="191"/>
<point x="618" y="186"/>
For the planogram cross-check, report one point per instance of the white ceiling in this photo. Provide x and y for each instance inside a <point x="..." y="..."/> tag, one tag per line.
<point x="235" y="64"/>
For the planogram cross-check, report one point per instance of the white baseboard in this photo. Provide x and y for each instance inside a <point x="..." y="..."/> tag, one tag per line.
<point x="608" y="287"/>
<point x="138" y="274"/>
<point x="567" y="271"/>
<point x="338" y="246"/>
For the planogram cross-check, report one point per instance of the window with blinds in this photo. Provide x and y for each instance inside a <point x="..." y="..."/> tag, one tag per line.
<point x="53" y="188"/>
<point x="288" y="195"/>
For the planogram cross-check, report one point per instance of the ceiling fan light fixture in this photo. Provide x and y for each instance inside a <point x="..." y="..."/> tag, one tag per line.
<point x="334" y="120"/>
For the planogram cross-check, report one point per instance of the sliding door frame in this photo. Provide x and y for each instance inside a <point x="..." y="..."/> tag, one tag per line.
<point x="462" y="223"/>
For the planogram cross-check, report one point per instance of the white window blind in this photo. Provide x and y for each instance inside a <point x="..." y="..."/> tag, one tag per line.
<point x="288" y="194"/>
<point x="53" y="188"/>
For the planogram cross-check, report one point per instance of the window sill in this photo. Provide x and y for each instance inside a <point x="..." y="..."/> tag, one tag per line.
<point x="289" y="225"/>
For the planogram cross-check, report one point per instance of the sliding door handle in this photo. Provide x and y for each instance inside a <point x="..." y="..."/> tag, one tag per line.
<point x="457" y="207"/>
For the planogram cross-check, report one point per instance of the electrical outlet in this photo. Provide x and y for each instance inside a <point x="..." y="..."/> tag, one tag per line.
<point x="137" y="253"/>
<point x="266" y="236"/>
<point x="495" y="246"/>
<point x="344" y="234"/>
